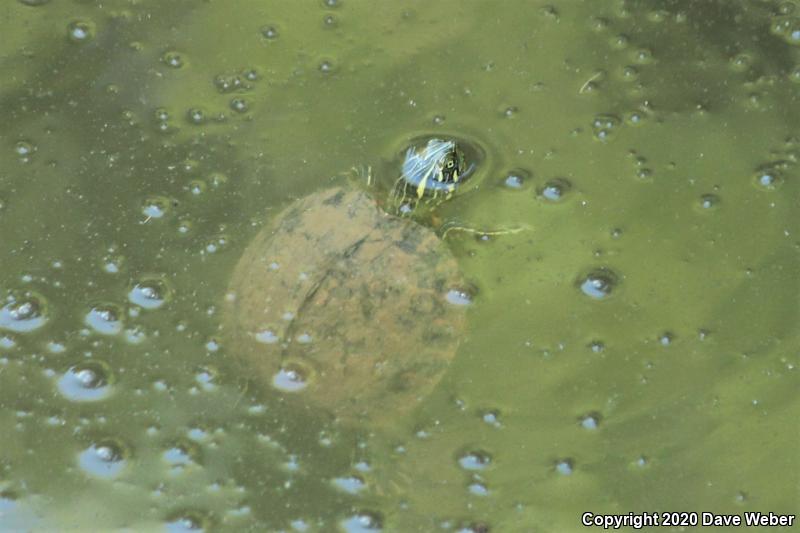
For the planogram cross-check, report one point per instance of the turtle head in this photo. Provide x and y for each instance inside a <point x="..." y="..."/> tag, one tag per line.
<point x="430" y="173"/>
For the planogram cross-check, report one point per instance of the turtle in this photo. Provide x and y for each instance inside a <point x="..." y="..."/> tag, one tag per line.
<point x="352" y="304"/>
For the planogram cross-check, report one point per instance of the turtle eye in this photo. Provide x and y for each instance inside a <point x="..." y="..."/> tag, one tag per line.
<point x="450" y="164"/>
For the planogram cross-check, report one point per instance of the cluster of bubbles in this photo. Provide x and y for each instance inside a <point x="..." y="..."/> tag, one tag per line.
<point x="271" y="32"/>
<point x="91" y="379"/>
<point x="598" y="283"/>
<point x="156" y="207"/>
<point x="236" y="85"/>
<point x="108" y="319"/>
<point x="604" y="126"/>
<point x="240" y="82"/>
<point x="786" y="23"/>
<point x="643" y="171"/>
<point x="553" y="190"/>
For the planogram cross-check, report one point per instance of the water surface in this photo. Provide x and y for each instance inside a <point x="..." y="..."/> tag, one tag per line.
<point x="634" y="348"/>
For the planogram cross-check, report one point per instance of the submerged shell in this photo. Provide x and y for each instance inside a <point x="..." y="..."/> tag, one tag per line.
<point x="350" y="301"/>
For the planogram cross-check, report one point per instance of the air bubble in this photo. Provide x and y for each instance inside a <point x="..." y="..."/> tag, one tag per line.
<point x="54" y="347"/>
<point x="266" y="336"/>
<point x="630" y="73"/>
<point x="7" y="342"/>
<point x="741" y="62"/>
<point x="24" y="149"/>
<point x="173" y="59"/>
<point x="510" y="111"/>
<point x="217" y="179"/>
<point x="598" y="284"/>
<point x="23" y="313"/>
<point x="620" y="41"/>
<point x="363" y="522"/>
<point x="599" y="24"/>
<point x="709" y="201"/>
<point x="105" y="319"/>
<point x="492" y="418"/>
<point x="634" y="118"/>
<point x="155" y="207"/>
<point x="134" y="335"/>
<point x="590" y="421"/>
<point x="86" y="382"/>
<point x="474" y="527"/>
<point x="105" y="459"/>
<point x="149" y="293"/>
<point x="239" y="105"/>
<point x="182" y="454"/>
<point x="80" y="31"/>
<point x="475" y="460"/>
<point x="555" y="189"/>
<point x="269" y="32"/>
<point x="197" y="187"/>
<point x="476" y="488"/>
<point x="643" y="56"/>
<point x="515" y="179"/>
<point x="290" y="378"/>
<point x="459" y="297"/>
<point x="184" y="226"/>
<point x="349" y="484"/>
<point x="206" y="377"/>
<point x="196" y="115"/>
<point x="300" y="525"/>
<point x="197" y="434"/>
<point x="564" y="467"/>
<point x="597" y="346"/>
<point x="186" y="522"/>
<point x="768" y="179"/>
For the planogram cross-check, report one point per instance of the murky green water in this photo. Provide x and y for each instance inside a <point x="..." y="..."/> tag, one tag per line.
<point x="144" y="144"/>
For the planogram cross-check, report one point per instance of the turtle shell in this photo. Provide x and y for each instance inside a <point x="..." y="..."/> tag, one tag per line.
<point x="346" y="304"/>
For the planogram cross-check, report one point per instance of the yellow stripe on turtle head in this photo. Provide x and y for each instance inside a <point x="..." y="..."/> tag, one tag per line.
<point x="421" y="187"/>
